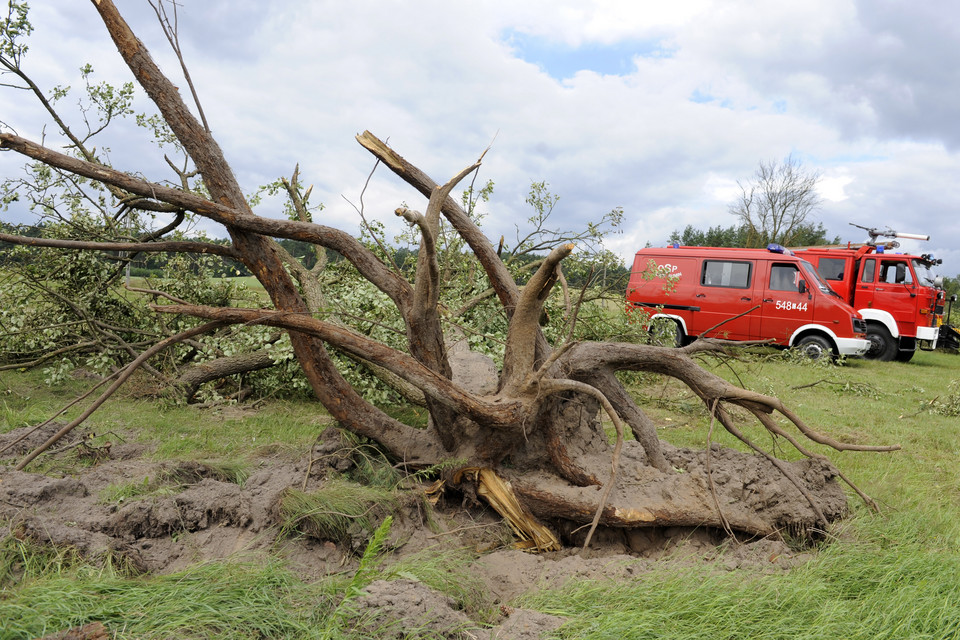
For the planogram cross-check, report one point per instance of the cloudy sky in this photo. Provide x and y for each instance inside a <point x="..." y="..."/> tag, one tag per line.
<point x="655" y="107"/>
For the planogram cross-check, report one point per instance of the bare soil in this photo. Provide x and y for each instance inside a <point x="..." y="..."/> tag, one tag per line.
<point x="202" y="517"/>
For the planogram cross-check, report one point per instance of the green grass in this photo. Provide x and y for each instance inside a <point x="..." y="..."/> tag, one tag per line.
<point x="221" y="600"/>
<point x="890" y="575"/>
<point x="57" y="590"/>
<point x="248" y="283"/>
<point x="850" y="593"/>
<point x="333" y="511"/>
<point x="172" y="432"/>
<point x="188" y="432"/>
<point x="25" y="400"/>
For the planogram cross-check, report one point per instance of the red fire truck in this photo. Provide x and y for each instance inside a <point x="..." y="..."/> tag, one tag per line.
<point x="897" y="294"/>
<point x="745" y="294"/>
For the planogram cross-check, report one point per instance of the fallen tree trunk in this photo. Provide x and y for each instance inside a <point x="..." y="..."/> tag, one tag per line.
<point x="190" y="381"/>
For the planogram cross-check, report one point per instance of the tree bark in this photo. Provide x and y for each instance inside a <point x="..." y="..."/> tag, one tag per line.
<point x="191" y="380"/>
<point x="256" y="251"/>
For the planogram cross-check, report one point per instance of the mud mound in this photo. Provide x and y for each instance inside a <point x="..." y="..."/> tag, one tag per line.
<point x="25" y="439"/>
<point x="393" y="609"/>
<point x="396" y="608"/>
<point x="187" y="512"/>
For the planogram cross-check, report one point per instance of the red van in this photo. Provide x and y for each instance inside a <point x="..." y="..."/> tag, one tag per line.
<point x="745" y="294"/>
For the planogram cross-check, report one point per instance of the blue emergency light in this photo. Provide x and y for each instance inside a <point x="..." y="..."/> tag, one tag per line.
<point x="773" y="247"/>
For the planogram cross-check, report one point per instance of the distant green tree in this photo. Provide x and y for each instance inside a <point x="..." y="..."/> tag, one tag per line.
<point x="732" y="236"/>
<point x="805" y="235"/>
<point x="951" y="286"/>
<point x="809" y="235"/>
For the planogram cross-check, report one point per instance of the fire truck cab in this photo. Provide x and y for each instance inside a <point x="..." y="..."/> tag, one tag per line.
<point x="896" y="294"/>
<point x="745" y="294"/>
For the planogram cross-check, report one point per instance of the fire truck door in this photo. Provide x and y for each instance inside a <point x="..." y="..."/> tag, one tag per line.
<point x="895" y="283"/>
<point x="866" y="283"/>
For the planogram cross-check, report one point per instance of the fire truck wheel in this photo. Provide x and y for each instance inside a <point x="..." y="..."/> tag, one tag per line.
<point x="677" y="335"/>
<point x="882" y="345"/>
<point x="905" y="356"/>
<point x="815" y="347"/>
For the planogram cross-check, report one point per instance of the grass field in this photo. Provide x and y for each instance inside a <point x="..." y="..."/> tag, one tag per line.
<point x="891" y="575"/>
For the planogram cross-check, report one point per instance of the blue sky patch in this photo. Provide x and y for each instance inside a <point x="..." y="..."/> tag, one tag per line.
<point x="562" y="61"/>
<point x="701" y="97"/>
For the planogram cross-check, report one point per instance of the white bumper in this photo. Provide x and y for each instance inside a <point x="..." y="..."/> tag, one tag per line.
<point x="852" y="346"/>
<point x="929" y="333"/>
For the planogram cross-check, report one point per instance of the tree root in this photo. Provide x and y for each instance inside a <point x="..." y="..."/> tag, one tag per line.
<point x="746" y="497"/>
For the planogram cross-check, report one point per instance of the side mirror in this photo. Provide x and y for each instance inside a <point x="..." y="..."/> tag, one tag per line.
<point x="802" y="285"/>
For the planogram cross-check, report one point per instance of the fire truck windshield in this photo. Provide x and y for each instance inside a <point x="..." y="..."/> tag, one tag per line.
<point x="925" y="277"/>
<point x="813" y="275"/>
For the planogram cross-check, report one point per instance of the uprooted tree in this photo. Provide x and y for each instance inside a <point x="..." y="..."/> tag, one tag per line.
<point x="533" y="444"/>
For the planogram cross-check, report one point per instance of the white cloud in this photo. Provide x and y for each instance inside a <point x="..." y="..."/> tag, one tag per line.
<point x="833" y="187"/>
<point x="722" y="189"/>
<point x="862" y="94"/>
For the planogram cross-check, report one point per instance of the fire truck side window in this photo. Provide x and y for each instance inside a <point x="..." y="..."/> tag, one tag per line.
<point x="831" y="268"/>
<point x="869" y="265"/>
<point x="895" y="272"/>
<point x="724" y="273"/>
<point x="784" y="277"/>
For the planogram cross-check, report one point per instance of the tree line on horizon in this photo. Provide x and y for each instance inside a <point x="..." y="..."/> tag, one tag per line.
<point x="745" y="236"/>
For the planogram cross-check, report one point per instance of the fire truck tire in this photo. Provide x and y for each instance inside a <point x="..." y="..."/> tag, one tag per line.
<point x="882" y="345"/>
<point x="815" y="347"/>
<point x="678" y="338"/>
<point x="905" y="356"/>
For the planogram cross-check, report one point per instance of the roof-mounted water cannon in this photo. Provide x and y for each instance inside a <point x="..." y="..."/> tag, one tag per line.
<point x="875" y="233"/>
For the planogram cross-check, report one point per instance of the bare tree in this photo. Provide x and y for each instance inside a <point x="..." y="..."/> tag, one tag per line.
<point x="534" y="445"/>
<point x="776" y="205"/>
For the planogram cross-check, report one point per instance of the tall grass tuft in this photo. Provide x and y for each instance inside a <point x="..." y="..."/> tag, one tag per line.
<point x="337" y="624"/>
<point x="446" y="572"/>
<point x="210" y="601"/>
<point x="334" y="511"/>
<point x="23" y="560"/>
